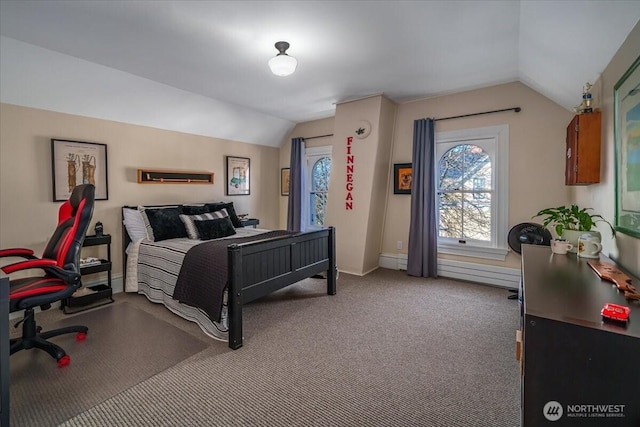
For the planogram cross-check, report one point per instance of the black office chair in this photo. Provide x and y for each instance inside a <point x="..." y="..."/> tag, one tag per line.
<point x="61" y="266"/>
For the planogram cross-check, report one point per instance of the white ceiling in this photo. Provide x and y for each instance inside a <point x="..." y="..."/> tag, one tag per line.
<point x="407" y="50"/>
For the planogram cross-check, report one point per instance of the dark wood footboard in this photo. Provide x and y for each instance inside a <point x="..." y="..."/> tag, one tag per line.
<point x="259" y="268"/>
<point x="263" y="266"/>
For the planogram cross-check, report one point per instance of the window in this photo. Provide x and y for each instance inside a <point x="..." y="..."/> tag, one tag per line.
<point x="472" y="181"/>
<point x="317" y="182"/>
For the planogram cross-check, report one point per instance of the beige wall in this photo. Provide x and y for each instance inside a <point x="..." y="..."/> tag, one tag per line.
<point x="28" y="215"/>
<point x="625" y="249"/>
<point x="379" y="218"/>
<point x="303" y="130"/>
<point x="536" y="153"/>
<point x="358" y="229"/>
<point x="381" y="178"/>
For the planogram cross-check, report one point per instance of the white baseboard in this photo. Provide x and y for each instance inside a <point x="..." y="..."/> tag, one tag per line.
<point x="117" y="284"/>
<point x="393" y="261"/>
<point x="473" y="272"/>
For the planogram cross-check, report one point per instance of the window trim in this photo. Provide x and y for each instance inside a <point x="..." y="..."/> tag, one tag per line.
<point x="497" y="249"/>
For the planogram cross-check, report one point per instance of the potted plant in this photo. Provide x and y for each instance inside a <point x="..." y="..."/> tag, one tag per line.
<point x="571" y="222"/>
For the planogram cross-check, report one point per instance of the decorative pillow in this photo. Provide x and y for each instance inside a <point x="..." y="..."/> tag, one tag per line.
<point x="230" y="210"/>
<point x="163" y="223"/>
<point x="147" y="225"/>
<point x="189" y="224"/>
<point x="134" y="223"/>
<point x="214" y="228"/>
<point x="189" y="220"/>
<point x="194" y="209"/>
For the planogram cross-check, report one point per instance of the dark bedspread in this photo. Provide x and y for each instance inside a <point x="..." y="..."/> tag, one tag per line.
<point x="203" y="275"/>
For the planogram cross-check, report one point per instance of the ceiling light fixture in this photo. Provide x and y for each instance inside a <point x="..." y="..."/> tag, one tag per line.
<point x="283" y="64"/>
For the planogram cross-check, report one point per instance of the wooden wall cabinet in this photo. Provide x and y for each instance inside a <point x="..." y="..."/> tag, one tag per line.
<point x="583" y="149"/>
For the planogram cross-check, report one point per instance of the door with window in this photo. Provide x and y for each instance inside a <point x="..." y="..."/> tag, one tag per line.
<point x="317" y="185"/>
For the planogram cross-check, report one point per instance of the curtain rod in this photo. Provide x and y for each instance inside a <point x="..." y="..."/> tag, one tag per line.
<point x="516" y="109"/>
<point x="319" y="136"/>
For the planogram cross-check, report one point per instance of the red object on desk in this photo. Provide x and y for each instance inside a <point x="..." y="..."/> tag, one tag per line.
<point x="615" y="312"/>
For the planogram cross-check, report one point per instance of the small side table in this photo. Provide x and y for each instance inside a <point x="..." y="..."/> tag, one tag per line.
<point x="250" y="222"/>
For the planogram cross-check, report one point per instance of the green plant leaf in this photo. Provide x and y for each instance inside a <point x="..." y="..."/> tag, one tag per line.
<point x="571" y="218"/>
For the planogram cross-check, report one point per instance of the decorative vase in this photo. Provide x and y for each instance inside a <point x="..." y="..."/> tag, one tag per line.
<point x="572" y="237"/>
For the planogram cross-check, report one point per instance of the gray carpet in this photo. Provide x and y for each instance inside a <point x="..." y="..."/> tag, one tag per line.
<point x="124" y="346"/>
<point x="387" y="350"/>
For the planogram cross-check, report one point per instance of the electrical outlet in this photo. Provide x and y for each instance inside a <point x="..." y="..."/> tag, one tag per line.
<point x="399" y="244"/>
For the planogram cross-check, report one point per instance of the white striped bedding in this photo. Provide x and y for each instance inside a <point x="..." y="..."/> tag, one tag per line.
<point x="153" y="268"/>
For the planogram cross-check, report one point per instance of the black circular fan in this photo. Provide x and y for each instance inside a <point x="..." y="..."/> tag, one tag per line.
<point x="528" y="232"/>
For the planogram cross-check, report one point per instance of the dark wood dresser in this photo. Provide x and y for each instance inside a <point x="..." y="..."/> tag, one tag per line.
<point x="577" y="370"/>
<point x="4" y="350"/>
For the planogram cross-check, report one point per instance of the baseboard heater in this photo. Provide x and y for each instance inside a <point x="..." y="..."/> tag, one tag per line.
<point x="473" y="272"/>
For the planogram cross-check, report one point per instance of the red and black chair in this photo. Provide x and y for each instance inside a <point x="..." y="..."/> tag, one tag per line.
<point x="60" y="262"/>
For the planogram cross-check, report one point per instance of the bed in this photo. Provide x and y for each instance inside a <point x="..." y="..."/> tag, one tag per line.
<point x="163" y="265"/>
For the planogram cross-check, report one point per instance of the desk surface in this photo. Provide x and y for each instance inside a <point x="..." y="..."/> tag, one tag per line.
<point x="568" y="290"/>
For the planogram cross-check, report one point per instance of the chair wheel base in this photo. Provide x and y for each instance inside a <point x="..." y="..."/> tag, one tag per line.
<point x="64" y="361"/>
<point x="32" y="337"/>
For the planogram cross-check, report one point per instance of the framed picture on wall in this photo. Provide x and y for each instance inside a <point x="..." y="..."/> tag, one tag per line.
<point x="237" y="176"/>
<point x="402" y="178"/>
<point x="76" y="162"/>
<point x="284" y="181"/>
<point x="626" y="95"/>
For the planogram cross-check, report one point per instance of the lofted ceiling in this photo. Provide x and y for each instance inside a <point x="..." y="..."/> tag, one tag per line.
<point x="213" y="55"/>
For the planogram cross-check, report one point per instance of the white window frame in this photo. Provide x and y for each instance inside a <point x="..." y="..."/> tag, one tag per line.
<point x="312" y="155"/>
<point x="494" y="140"/>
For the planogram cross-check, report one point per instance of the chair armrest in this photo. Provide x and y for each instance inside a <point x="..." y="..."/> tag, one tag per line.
<point x="68" y="274"/>
<point x="28" y="264"/>
<point x="16" y="252"/>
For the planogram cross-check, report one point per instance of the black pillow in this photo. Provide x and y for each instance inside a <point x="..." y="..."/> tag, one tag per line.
<point x="213" y="207"/>
<point x="194" y="209"/>
<point x="165" y="223"/>
<point x="214" y="228"/>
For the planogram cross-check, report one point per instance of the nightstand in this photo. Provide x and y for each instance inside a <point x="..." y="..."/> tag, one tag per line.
<point x="250" y="222"/>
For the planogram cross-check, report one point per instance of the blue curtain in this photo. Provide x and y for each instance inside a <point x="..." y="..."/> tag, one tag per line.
<point x="295" y="209"/>
<point x="423" y="235"/>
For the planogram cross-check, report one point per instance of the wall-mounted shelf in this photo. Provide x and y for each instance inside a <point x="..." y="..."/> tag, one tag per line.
<point x="156" y="176"/>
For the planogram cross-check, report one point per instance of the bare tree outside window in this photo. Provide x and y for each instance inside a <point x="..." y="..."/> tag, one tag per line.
<point x="465" y="193"/>
<point x="320" y="174"/>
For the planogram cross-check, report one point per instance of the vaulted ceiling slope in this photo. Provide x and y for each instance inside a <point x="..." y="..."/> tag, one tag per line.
<point x="201" y="66"/>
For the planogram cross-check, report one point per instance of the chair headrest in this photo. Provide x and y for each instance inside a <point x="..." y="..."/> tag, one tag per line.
<point x="81" y="192"/>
